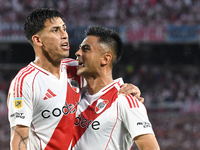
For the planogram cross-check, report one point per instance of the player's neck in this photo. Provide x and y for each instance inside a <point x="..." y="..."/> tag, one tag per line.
<point x="96" y="84"/>
<point x="51" y="67"/>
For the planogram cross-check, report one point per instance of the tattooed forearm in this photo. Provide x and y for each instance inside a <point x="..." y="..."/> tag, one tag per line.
<point x="22" y="142"/>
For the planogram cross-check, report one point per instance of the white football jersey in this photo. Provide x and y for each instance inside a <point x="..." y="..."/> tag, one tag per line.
<point x="107" y="121"/>
<point x="46" y="104"/>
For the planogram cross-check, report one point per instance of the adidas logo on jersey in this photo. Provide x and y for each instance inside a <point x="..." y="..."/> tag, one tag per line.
<point x="101" y="105"/>
<point x="49" y="94"/>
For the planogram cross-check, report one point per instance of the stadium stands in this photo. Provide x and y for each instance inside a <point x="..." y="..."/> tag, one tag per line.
<point x="171" y="90"/>
<point x="111" y="13"/>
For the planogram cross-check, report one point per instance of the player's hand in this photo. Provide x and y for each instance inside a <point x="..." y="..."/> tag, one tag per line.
<point x="128" y="88"/>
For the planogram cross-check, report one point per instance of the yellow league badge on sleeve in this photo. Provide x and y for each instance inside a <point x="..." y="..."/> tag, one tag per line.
<point x="18" y="103"/>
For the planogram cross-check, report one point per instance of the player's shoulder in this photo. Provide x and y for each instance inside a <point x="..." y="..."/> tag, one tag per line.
<point x="129" y="101"/>
<point x="26" y="73"/>
<point x="69" y="62"/>
<point x="27" y="70"/>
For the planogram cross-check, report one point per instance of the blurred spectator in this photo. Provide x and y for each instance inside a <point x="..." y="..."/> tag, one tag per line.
<point x="160" y="83"/>
<point x="110" y="13"/>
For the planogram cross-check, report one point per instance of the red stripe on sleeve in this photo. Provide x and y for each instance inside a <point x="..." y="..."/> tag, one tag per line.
<point x="23" y="80"/>
<point x="137" y="103"/>
<point x="133" y="100"/>
<point x="17" y="80"/>
<point x="129" y="101"/>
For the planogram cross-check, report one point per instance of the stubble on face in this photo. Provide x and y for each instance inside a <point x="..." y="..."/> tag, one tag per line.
<point x="54" y="39"/>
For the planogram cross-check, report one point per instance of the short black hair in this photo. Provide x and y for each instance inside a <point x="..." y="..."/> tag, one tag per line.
<point x="108" y="36"/>
<point x="36" y="20"/>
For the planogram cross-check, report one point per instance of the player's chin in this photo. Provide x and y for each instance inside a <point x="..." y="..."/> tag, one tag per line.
<point x="66" y="54"/>
<point x="63" y="56"/>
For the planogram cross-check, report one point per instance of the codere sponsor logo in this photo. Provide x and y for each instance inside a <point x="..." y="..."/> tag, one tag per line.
<point x="83" y="122"/>
<point x="56" y="112"/>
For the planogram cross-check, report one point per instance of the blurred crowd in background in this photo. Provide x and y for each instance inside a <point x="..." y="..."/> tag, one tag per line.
<point x="178" y="85"/>
<point x="176" y="127"/>
<point x="171" y="91"/>
<point x="134" y="13"/>
<point x="159" y="84"/>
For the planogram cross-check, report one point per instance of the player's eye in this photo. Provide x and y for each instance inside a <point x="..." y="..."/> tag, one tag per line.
<point x="55" y="30"/>
<point x="85" y="48"/>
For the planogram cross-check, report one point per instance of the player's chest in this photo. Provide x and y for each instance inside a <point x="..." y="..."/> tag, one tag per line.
<point x="51" y="98"/>
<point x="50" y="88"/>
<point x="99" y="116"/>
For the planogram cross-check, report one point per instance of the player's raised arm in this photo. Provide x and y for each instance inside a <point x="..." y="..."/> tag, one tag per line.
<point x="19" y="137"/>
<point x="146" y="142"/>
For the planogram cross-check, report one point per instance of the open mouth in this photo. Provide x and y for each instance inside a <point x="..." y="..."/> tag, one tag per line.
<point x="80" y="64"/>
<point x="65" y="46"/>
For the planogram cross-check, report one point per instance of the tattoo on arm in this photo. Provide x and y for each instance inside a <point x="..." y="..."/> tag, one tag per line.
<point x="22" y="141"/>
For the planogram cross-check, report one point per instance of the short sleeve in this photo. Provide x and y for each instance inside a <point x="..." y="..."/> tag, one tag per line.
<point x="134" y="116"/>
<point x="19" y="104"/>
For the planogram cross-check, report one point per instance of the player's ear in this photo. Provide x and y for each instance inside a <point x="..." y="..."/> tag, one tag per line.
<point x="36" y="40"/>
<point x="106" y="58"/>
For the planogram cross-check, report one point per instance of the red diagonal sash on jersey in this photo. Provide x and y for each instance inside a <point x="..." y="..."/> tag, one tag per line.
<point x="63" y="134"/>
<point x="89" y="114"/>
